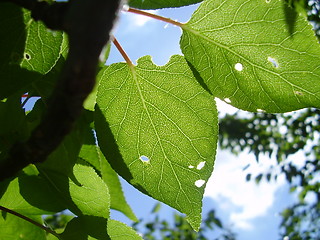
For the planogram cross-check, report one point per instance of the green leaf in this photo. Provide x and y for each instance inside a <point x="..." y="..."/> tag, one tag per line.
<point x="249" y="57"/>
<point x="91" y="153"/>
<point x="29" y="194"/>
<point x="157" y="127"/>
<point x="120" y="231"/>
<point x="30" y="49"/>
<point x="92" y="195"/>
<point x="154" y="4"/>
<point x="86" y="228"/>
<point x="13" y="228"/>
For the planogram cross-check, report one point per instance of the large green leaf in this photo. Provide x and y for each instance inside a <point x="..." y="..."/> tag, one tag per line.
<point x="157" y="127"/>
<point x="91" y="153"/>
<point x="30" y="51"/>
<point x="250" y="57"/>
<point x="14" y="228"/>
<point x="154" y="4"/>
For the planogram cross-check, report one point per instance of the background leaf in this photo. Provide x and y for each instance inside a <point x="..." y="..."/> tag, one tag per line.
<point x="163" y="131"/>
<point x="120" y="231"/>
<point x="92" y="154"/>
<point x="153" y="4"/>
<point x="13" y="228"/>
<point x="31" y="49"/>
<point x="250" y="57"/>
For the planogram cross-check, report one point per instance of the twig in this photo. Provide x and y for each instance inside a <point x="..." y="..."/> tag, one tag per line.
<point x="154" y="16"/>
<point x="48" y="230"/>
<point x="122" y="52"/>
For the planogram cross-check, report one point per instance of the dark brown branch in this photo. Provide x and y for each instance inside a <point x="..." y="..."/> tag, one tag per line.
<point x="48" y="230"/>
<point x="88" y="24"/>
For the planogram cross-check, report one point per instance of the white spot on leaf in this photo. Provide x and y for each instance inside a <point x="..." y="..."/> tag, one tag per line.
<point x="191" y="166"/>
<point x="227" y="100"/>
<point x="260" y="110"/>
<point x="144" y="159"/>
<point x="298" y="93"/>
<point x="274" y="62"/>
<point x="199" y="183"/>
<point x="238" y="66"/>
<point x="201" y="165"/>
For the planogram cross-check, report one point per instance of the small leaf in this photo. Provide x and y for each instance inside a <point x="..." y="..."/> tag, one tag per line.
<point x="163" y="131"/>
<point x="246" y="53"/>
<point x="120" y="231"/>
<point x="92" y="195"/>
<point x="153" y="4"/>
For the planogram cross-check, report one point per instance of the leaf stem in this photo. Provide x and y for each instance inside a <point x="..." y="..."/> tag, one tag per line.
<point x="164" y="19"/>
<point x="122" y="52"/>
<point x="48" y="230"/>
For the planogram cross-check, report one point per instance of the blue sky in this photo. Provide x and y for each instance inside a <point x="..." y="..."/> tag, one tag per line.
<point x="250" y="210"/>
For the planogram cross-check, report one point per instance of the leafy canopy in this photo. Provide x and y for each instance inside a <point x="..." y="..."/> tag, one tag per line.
<point x="156" y="126"/>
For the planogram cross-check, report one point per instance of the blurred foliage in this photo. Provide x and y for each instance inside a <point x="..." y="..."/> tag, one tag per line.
<point x="180" y="229"/>
<point x="293" y="139"/>
<point x="309" y="8"/>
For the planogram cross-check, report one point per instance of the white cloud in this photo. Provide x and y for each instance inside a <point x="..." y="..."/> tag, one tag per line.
<point x="136" y="20"/>
<point x="228" y="186"/>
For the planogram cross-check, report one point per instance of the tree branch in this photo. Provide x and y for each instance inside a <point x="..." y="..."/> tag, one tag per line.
<point x="88" y="24"/>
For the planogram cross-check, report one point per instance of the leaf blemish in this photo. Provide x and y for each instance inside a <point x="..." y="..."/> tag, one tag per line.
<point x="27" y="56"/>
<point x="238" y="67"/>
<point x="201" y="165"/>
<point x="227" y="100"/>
<point x="199" y="183"/>
<point x="144" y="159"/>
<point x="274" y="62"/>
<point x="298" y="93"/>
<point x="191" y="166"/>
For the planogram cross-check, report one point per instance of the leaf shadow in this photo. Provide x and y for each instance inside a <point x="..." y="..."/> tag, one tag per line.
<point x="110" y="149"/>
<point x="291" y="16"/>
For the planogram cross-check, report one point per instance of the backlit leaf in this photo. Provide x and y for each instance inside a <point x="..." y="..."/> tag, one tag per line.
<point x="157" y="127"/>
<point x="250" y="57"/>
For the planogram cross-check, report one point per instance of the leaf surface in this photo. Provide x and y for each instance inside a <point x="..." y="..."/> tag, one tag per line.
<point x="13" y="228"/>
<point x="157" y="127"/>
<point x="92" y="154"/>
<point x="30" y="51"/>
<point x="120" y="231"/>
<point x="250" y="57"/>
<point x="154" y="4"/>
